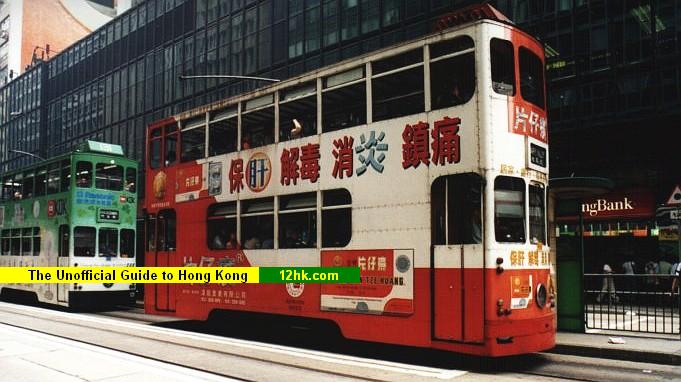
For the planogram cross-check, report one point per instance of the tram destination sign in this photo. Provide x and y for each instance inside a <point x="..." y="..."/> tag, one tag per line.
<point x="107" y="215"/>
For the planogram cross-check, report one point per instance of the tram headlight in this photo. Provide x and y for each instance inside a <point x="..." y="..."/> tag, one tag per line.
<point x="541" y="296"/>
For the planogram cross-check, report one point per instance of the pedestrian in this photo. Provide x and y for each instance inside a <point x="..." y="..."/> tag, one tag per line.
<point x="629" y="268"/>
<point x="608" y="288"/>
<point x="677" y="274"/>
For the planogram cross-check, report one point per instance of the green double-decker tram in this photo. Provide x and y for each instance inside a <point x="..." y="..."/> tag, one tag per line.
<point x="77" y="209"/>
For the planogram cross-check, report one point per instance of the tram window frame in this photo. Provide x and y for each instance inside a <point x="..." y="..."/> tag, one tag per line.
<point x="83" y="235"/>
<point x="336" y="218"/>
<point x="84" y="174"/>
<point x="7" y="185"/>
<point x="53" y="178"/>
<point x="170" y="145"/>
<point x="221" y="218"/>
<point x="502" y="60"/>
<point x="64" y="240"/>
<point x="446" y="58"/>
<point x="166" y="234"/>
<point x="109" y="236"/>
<point x="6" y="243"/>
<point x="531" y="77"/>
<point x="338" y="113"/>
<point x="193" y="139"/>
<point x="127" y="243"/>
<point x="257" y="213"/>
<point x="257" y="126"/>
<point x="40" y="185"/>
<point x="503" y="187"/>
<point x="109" y="176"/>
<point x="27" y="184"/>
<point x="27" y="242"/>
<point x="16" y="242"/>
<point x="65" y="175"/>
<point x="130" y="180"/>
<point x="397" y="85"/>
<point x="155" y="149"/>
<point x="536" y="196"/>
<point x="298" y="104"/>
<point x="457" y="209"/>
<point x="297" y="220"/>
<point x="36" y="241"/>
<point x="223" y="131"/>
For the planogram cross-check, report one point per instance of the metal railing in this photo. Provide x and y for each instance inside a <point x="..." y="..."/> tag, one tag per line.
<point x="635" y="303"/>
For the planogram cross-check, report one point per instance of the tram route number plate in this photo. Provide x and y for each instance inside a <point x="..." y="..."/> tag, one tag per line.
<point x="675" y="215"/>
<point x="108" y="215"/>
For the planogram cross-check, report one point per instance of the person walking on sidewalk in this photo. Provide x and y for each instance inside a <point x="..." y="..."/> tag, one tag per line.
<point x="608" y="288"/>
<point x="677" y="273"/>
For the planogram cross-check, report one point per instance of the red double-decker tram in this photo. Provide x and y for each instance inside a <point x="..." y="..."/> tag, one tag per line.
<point x="424" y="164"/>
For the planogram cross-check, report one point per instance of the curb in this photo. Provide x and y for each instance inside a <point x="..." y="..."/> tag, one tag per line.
<point x="618" y="354"/>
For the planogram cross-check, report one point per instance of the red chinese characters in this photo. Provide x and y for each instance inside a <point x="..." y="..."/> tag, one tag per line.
<point x="289" y="166"/>
<point x="344" y="159"/>
<point x="300" y="163"/>
<point x="236" y="175"/>
<point x="445" y="143"/>
<point x="415" y="149"/>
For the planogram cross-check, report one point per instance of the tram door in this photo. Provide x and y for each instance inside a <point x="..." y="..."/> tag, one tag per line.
<point x="63" y="260"/>
<point x="164" y="235"/>
<point x="457" y="258"/>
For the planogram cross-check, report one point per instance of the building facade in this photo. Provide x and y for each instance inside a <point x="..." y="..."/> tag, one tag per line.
<point x="613" y="74"/>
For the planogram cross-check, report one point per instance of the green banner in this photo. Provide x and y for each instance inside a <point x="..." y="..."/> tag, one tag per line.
<point x="311" y="275"/>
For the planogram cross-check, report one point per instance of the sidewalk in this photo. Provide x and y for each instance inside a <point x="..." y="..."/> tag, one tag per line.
<point x="638" y="349"/>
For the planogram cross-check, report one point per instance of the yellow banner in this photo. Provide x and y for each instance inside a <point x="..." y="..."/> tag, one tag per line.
<point x="137" y="275"/>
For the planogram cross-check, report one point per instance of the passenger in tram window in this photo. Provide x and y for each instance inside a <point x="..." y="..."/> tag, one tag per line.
<point x="252" y="243"/>
<point x="267" y="243"/>
<point x="246" y="142"/>
<point x="219" y="239"/>
<point x="297" y="130"/>
<point x="232" y="243"/>
<point x="17" y="195"/>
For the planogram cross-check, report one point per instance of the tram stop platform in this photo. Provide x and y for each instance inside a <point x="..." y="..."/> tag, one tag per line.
<point x="26" y="355"/>
<point x="661" y="349"/>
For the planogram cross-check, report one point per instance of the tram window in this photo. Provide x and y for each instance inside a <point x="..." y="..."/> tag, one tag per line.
<point x="452" y="80"/>
<point x="537" y="214"/>
<point x="83" y="174"/>
<point x="108" y="242"/>
<point x="503" y="66"/>
<point x="193" y="144"/>
<point x="257" y="223"/>
<point x="7" y="186"/>
<point x="40" y="181"/>
<point x="398" y="94"/>
<point x="221" y="226"/>
<point x="257" y="128"/>
<point x="155" y="153"/>
<point x="531" y="77"/>
<point x="16" y="242"/>
<point x="167" y="223"/>
<point x="84" y="241"/>
<point x="171" y="146"/>
<point x="64" y="240"/>
<point x="36" y="241"/>
<point x="5" y="242"/>
<point x="344" y="107"/>
<point x="336" y="218"/>
<point x="127" y="243"/>
<point x="53" y="178"/>
<point x="109" y="177"/>
<point x="27" y="185"/>
<point x="509" y="209"/>
<point x="298" y="118"/>
<point x="456" y="208"/>
<point x="222" y="137"/>
<point x="450" y="46"/>
<point x="130" y="179"/>
<point x="26" y="239"/>
<point x="65" y="175"/>
<point x="151" y="233"/>
<point x="298" y="221"/>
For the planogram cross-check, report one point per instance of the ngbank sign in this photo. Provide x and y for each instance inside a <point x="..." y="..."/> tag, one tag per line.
<point x="624" y="204"/>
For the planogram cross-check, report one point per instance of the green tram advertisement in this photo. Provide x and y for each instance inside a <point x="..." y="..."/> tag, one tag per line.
<point x="77" y="209"/>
